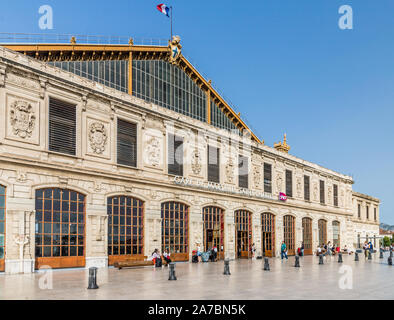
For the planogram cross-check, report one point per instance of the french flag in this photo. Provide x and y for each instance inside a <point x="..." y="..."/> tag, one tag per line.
<point x="163" y="9"/>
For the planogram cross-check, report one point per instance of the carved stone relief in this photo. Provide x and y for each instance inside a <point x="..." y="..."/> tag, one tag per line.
<point x="279" y="181"/>
<point x="229" y="171"/>
<point x="256" y="176"/>
<point x="315" y="191"/>
<point x="299" y="187"/>
<point x="22" y="119"/>
<point x="196" y="162"/>
<point x="153" y="152"/>
<point x="98" y="137"/>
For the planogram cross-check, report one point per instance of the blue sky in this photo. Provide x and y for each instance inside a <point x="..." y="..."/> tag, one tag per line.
<point x="284" y="64"/>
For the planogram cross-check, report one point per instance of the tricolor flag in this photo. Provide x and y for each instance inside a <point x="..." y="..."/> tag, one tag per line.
<point x="164" y="9"/>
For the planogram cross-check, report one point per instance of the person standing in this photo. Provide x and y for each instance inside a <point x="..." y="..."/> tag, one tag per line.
<point x="253" y="250"/>
<point x="365" y="249"/>
<point x="166" y="256"/>
<point x="329" y="248"/>
<point x="283" y="250"/>
<point x="302" y="249"/>
<point x="370" y="247"/>
<point x="199" y="252"/>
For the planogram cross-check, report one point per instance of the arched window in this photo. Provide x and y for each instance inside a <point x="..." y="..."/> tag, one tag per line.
<point x="125" y="228"/>
<point x="289" y="233"/>
<point x="213" y="218"/>
<point x="60" y="228"/>
<point x="175" y="230"/>
<point x="243" y="233"/>
<point x="307" y="235"/>
<point x="268" y="234"/>
<point x="2" y="226"/>
<point x="322" y="224"/>
<point x="336" y="233"/>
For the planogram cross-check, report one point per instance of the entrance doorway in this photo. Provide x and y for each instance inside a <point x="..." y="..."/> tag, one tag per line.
<point x="60" y="228"/>
<point x="322" y="224"/>
<point x="213" y="218"/>
<point x="268" y="234"/>
<point x="125" y="229"/>
<point x="289" y="234"/>
<point x="2" y="227"/>
<point x="307" y="235"/>
<point x="175" y="230"/>
<point x="243" y="233"/>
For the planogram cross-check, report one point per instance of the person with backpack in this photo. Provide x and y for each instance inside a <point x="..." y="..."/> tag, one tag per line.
<point x="283" y="250"/>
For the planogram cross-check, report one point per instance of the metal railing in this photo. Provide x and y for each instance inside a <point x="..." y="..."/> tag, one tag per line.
<point x="37" y="38"/>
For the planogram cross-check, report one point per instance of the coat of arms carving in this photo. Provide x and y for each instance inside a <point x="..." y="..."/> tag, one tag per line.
<point x="196" y="162"/>
<point x="153" y="152"/>
<point x="22" y="119"/>
<point x="230" y="171"/>
<point x="98" y="137"/>
<point x="175" y="48"/>
<point x="256" y="176"/>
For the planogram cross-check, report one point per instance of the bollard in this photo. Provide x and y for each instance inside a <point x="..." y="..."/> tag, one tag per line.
<point x="172" y="272"/>
<point x="369" y="255"/>
<point x="390" y="261"/>
<point x="266" y="264"/>
<point x="93" y="278"/>
<point x="297" y="261"/>
<point x="381" y="254"/>
<point x="340" y="260"/>
<point x="356" y="257"/>
<point x="226" y="267"/>
<point x="321" y="259"/>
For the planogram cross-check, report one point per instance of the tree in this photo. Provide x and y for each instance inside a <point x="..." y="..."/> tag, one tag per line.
<point x="386" y="241"/>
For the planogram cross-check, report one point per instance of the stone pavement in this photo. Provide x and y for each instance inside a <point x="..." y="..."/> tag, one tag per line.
<point x="370" y="280"/>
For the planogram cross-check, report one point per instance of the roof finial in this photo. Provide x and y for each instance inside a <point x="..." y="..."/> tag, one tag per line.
<point x="284" y="147"/>
<point x="73" y="40"/>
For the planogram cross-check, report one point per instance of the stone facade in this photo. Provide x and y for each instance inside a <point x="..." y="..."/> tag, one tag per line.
<point x="26" y="165"/>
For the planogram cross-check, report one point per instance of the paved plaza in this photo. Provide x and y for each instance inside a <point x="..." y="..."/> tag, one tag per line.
<point x="370" y="280"/>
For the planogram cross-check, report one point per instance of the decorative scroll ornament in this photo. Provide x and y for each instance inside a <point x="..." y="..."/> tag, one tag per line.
<point x="315" y="191"/>
<point x="230" y="171"/>
<point x="153" y="152"/>
<point x="299" y="187"/>
<point x="175" y="48"/>
<point x="22" y="119"/>
<point x="256" y="176"/>
<point x="342" y="198"/>
<point x="196" y="162"/>
<point x="98" y="137"/>
<point x="279" y="182"/>
<point x="329" y="194"/>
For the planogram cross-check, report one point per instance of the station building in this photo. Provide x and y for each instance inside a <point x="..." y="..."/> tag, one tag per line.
<point x="108" y="152"/>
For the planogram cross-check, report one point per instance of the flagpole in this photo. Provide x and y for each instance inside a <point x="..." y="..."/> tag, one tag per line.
<point x="171" y="22"/>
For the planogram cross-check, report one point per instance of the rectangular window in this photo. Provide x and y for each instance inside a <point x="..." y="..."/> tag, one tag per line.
<point x="359" y="210"/>
<point x="127" y="143"/>
<point x="375" y="216"/>
<point x="335" y="195"/>
<point x="367" y="212"/>
<point x="175" y="155"/>
<point x="243" y="172"/>
<point x="322" y="192"/>
<point x="307" y="193"/>
<point x="62" y="127"/>
<point x="267" y="178"/>
<point x="289" y="183"/>
<point x="213" y="164"/>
